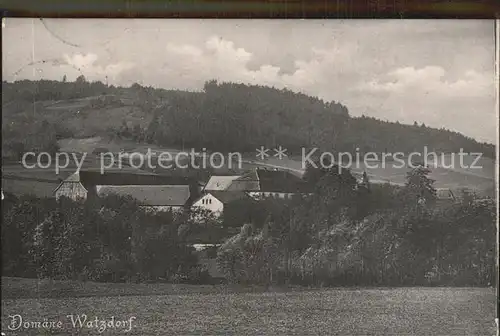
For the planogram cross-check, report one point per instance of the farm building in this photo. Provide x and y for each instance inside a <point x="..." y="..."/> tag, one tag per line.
<point x="257" y="184"/>
<point x="246" y="182"/>
<point x="71" y="188"/>
<point x="216" y="200"/>
<point x="219" y="183"/>
<point x="92" y="179"/>
<point x="261" y="183"/>
<point x="278" y="184"/>
<point x="155" y="191"/>
<point x="153" y="198"/>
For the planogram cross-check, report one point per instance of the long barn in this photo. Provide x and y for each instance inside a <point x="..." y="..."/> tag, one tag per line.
<point x="87" y="183"/>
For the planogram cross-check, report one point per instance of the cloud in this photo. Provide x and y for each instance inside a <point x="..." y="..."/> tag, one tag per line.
<point x="429" y="95"/>
<point x="221" y="59"/>
<point x="189" y="66"/>
<point x="439" y="72"/>
<point x="431" y="79"/>
<point x="225" y="51"/>
<point x="86" y="65"/>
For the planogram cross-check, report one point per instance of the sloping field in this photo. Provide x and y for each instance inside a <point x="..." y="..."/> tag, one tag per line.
<point x="42" y="182"/>
<point x="480" y="178"/>
<point x="452" y="175"/>
<point x="91" y="121"/>
<point x="29" y="187"/>
<point x="67" y="105"/>
<point x="218" y="310"/>
<point x="87" y="145"/>
<point x="71" y="103"/>
<point x="82" y="119"/>
<point x="18" y="172"/>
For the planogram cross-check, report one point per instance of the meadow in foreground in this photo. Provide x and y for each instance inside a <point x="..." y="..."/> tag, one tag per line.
<point x="400" y="311"/>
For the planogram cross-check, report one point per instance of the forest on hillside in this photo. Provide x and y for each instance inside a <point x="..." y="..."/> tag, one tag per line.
<point x="222" y="117"/>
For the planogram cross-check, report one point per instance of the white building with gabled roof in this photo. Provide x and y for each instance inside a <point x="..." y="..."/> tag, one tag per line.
<point x="71" y="188"/>
<point x="216" y="200"/>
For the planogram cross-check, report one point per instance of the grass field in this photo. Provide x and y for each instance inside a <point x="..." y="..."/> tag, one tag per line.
<point x="452" y="176"/>
<point x="215" y="310"/>
<point x="85" y="120"/>
<point x="29" y="187"/>
<point x="481" y="180"/>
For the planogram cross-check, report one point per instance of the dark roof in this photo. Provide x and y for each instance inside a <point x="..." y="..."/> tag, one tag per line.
<point x="228" y="196"/>
<point x="270" y="180"/>
<point x="246" y="182"/>
<point x="151" y="195"/>
<point x="127" y="178"/>
<point x="280" y="181"/>
<point x="249" y="176"/>
<point x="91" y="179"/>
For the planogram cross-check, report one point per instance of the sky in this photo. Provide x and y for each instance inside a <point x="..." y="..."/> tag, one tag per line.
<point x="437" y="72"/>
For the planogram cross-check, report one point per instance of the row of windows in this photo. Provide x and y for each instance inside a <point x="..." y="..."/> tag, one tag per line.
<point x="277" y="195"/>
<point x="206" y="201"/>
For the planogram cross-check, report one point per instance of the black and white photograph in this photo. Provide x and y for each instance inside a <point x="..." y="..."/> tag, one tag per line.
<point x="249" y="177"/>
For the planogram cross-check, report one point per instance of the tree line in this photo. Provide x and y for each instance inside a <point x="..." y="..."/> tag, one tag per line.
<point x="103" y="239"/>
<point x="350" y="233"/>
<point x="347" y="232"/>
<point x="233" y="117"/>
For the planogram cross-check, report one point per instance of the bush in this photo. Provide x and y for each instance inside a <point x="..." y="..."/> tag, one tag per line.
<point x="413" y="245"/>
<point x="67" y="240"/>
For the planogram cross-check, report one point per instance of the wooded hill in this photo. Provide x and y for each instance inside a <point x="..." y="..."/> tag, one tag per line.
<point x="222" y="117"/>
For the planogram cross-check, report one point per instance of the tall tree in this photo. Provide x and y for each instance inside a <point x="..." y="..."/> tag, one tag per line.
<point x="420" y="185"/>
<point x="81" y="79"/>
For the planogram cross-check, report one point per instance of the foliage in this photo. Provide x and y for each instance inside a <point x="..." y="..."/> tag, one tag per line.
<point x="344" y="233"/>
<point x="108" y="239"/>
<point x="232" y="117"/>
<point x="347" y="234"/>
<point x="419" y="185"/>
<point x="20" y="218"/>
